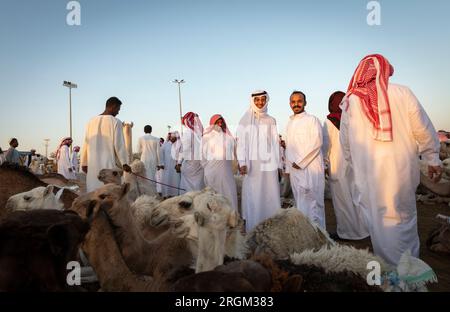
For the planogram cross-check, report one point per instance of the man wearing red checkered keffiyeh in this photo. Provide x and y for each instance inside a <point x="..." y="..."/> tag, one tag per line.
<point x="383" y="130"/>
<point x="188" y="162"/>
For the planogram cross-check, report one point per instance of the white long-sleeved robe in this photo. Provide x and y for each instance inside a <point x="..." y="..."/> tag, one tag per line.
<point x="303" y="147"/>
<point x="75" y="162"/>
<point x="344" y="194"/>
<point x="169" y="176"/>
<point x="258" y="149"/>
<point x="148" y="147"/>
<point x="103" y="148"/>
<point x="64" y="164"/>
<point x="192" y="174"/>
<point x="218" y="155"/>
<point x="387" y="173"/>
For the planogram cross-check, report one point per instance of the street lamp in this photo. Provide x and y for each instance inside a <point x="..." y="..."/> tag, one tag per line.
<point x="179" y="97"/>
<point x="70" y="85"/>
<point x="46" y="147"/>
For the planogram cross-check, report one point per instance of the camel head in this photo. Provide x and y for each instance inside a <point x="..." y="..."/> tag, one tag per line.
<point x="215" y="210"/>
<point x="103" y="199"/>
<point x="38" y="198"/>
<point x="110" y="176"/>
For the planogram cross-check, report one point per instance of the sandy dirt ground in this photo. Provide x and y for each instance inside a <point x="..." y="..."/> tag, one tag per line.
<point x="426" y="223"/>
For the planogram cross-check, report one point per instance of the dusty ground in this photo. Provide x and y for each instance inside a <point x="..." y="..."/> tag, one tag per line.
<point x="426" y="223"/>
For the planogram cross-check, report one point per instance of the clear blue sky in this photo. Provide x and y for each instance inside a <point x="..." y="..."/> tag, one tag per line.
<point x="223" y="49"/>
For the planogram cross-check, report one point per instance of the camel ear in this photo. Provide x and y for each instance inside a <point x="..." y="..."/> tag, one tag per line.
<point x="48" y="190"/>
<point x="125" y="189"/>
<point x="132" y="124"/>
<point x="90" y="210"/>
<point x="199" y="218"/>
<point x="233" y="219"/>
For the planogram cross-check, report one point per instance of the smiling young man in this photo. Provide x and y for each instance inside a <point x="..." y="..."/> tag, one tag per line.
<point x="258" y="152"/>
<point x="304" y="161"/>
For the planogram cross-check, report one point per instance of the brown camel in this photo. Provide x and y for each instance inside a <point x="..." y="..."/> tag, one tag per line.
<point x="35" y="247"/>
<point x="159" y="258"/>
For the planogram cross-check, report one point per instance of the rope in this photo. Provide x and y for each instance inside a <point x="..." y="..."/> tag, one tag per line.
<point x="145" y="178"/>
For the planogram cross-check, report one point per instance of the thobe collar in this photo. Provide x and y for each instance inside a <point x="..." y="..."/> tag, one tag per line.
<point x="302" y="114"/>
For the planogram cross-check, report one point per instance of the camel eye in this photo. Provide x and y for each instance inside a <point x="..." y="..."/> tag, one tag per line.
<point x="114" y="173"/>
<point x="27" y="198"/>
<point x="103" y="196"/>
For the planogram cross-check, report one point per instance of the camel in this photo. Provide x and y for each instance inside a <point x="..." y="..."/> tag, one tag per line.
<point x="38" y="198"/>
<point x="16" y="179"/>
<point x="103" y="251"/>
<point x="159" y="258"/>
<point x="35" y="247"/>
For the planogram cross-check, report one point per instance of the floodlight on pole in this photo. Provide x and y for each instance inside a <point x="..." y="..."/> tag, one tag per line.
<point x="46" y="147"/>
<point x="71" y="86"/>
<point x="179" y="82"/>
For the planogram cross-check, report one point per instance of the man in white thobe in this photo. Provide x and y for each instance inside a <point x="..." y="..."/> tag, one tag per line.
<point x="350" y="223"/>
<point x="65" y="167"/>
<point x="258" y="155"/>
<point x="218" y="148"/>
<point x="189" y="160"/>
<point x="149" y="149"/>
<point x="305" y="161"/>
<point x="75" y="161"/>
<point x="104" y="145"/>
<point x="383" y="130"/>
<point x="160" y="168"/>
<point x="169" y="155"/>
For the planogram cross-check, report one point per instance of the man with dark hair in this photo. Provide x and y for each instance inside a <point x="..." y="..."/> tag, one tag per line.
<point x="149" y="149"/>
<point x="104" y="144"/>
<point x="12" y="156"/>
<point x="304" y="161"/>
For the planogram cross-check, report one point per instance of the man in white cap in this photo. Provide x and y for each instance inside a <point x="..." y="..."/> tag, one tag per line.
<point x="258" y="153"/>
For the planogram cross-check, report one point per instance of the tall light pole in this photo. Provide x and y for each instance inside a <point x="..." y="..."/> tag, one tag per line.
<point x="70" y="85"/>
<point x="179" y="82"/>
<point x="46" y="147"/>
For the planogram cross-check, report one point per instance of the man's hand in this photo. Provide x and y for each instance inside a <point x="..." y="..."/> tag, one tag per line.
<point x="295" y="166"/>
<point x="178" y="168"/>
<point x="243" y="170"/>
<point x="84" y="169"/>
<point x="126" y="168"/>
<point x="70" y="170"/>
<point x="435" y="173"/>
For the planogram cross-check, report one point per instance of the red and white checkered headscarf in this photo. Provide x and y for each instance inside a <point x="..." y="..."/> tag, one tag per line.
<point x="193" y="122"/>
<point x="370" y="84"/>
<point x="64" y="141"/>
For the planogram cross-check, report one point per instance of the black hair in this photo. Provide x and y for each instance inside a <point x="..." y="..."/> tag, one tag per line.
<point x="113" y="101"/>
<point x="299" y="92"/>
<point x="148" y="129"/>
